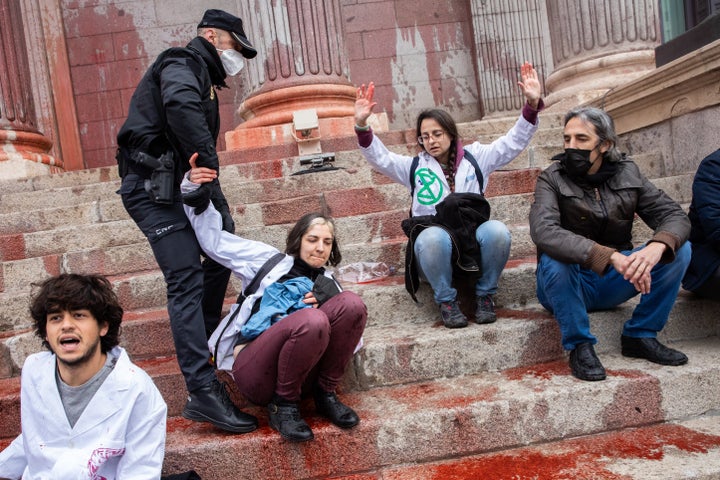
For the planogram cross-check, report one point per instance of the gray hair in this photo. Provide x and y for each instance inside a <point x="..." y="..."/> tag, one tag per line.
<point x="603" y="125"/>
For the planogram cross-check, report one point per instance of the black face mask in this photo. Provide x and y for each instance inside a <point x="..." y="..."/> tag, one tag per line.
<point x="577" y="162"/>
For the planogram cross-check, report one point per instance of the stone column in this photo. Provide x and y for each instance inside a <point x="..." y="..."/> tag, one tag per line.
<point x="23" y="149"/>
<point x="599" y="45"/>
<point x="301" y="64"/>
<point x="505" y="37"/>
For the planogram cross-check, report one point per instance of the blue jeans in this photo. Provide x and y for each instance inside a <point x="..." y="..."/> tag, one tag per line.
<point x="570" y="292"/>
<point x="433" y="253"/>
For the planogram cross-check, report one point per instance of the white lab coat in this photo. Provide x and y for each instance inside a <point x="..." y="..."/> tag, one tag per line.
<point x="431" y="186"/>
<point x="244" y="257"/>
<point x="120" y="435"/>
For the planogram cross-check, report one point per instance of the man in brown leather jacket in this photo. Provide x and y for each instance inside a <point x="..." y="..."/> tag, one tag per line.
<point x="581" y="222"/>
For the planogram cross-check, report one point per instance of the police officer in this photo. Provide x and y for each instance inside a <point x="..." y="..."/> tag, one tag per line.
<point x="173" y="114"/>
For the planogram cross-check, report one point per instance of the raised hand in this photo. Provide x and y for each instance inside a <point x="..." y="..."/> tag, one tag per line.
<point x="364" y="103"/>
<point x="530" y="85"/>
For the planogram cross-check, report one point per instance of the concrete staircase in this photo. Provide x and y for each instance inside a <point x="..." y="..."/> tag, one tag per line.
<point x="488" y="401"/>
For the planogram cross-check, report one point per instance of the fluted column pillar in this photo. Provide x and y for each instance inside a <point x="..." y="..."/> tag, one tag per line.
<point x="599" y="45"/>
<point x="505" y="37"/>
<point x="301" y="64"/>
<point x="23" y="149"/>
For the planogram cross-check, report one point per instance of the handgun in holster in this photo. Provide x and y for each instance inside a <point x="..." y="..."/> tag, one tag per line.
<point x="160" y="184"/>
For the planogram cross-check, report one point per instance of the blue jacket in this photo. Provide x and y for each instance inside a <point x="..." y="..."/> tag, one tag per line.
<point x="705" y="220"/>
<point x="278" y="300"/>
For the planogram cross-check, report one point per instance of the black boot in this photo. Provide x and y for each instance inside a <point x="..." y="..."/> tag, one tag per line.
<point x="585" y="365"/>
<point x="211" y="403"/>
<point x="329" y="406"/>
<point x="285" y="418"/>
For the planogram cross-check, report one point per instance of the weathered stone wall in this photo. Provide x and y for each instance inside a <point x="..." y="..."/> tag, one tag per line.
<point x="681" y="141"/>
<point x="419" y="53"/>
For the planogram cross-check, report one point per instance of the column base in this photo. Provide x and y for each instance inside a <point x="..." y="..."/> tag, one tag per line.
<point x="277" y="106"/>
<point x="263" y="136"/>
<point x="23" y="154"/>
<point x="270" y="115"/>
<point x="587" y="79"/>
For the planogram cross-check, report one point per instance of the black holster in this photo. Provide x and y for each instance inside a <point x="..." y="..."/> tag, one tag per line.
<point x="161" y="183"/>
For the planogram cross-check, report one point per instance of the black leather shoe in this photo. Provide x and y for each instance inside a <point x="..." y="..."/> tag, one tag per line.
<point x="211" y="403"/>
<point x="585" y="365"/>
<point x="285" y="417"/>
<point x="329" y="406"/>
<point x="652" y="350"/>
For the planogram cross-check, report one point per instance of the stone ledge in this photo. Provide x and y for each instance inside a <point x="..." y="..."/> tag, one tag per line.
<point x="685" y="85"/>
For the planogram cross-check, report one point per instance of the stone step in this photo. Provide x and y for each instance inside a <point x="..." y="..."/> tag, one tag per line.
<point x="412" y="425"/>
<point x="105" y="222"/>
<point x="140" y="285"/>
<point x="494" y="127"/>
<point x="253" y="200"/>
<point x="120" y="248"/>
<point x="58" y="180"/>
<point x="146" y="329"/>
<point x="68" y="189"/>
<point x="420" y="348"/>
<point x="644" y="421"/>
<point x="406" y="343"/>
<point x="94" y="250"/>
<point x="679" y="450"/>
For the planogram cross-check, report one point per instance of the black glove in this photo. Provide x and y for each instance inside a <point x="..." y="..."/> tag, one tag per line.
<point x="324" y="289"/>
<point x="221" y="205"/>
<point x="200" y="198"/>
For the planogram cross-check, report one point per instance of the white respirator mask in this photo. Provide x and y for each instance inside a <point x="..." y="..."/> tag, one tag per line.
<point x="232" y="61"/>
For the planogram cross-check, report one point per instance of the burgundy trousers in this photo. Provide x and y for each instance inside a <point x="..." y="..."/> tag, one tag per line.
<point x="309" y="345"/>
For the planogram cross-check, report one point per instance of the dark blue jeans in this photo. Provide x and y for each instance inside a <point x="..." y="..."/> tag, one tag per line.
<point x="570" y="292"/>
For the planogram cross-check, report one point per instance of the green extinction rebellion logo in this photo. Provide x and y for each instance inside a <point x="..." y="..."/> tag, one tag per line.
<point x="432" y="188"/>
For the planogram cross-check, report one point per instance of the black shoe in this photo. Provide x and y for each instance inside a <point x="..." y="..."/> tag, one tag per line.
<point x="485" y="311"/>
<point x="285" y="418"/>
<point x="329" y="406"/>
<point x="211" y="403"/>
<point x="652" y="350"/>
<point x="585" y="365"/>
<point x="451" y="315"/>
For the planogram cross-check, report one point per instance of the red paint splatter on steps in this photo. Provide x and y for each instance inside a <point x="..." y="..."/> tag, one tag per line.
<point x="425" y="395"/>
<point x="584" y="457"/>
<point x="544" y="371"/>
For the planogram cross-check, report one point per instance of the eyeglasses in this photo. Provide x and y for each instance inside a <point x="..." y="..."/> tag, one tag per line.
<point x="436" y="135"/>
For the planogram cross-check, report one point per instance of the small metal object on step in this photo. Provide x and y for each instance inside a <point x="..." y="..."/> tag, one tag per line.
<point x="307" y="134"/>
<point x="322" y="162"/>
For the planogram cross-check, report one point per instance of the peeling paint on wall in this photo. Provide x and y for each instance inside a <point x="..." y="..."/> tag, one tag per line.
<point x="410" y="77"/>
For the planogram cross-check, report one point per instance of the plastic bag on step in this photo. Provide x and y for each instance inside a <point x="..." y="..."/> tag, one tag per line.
<point x="363" y="272"/>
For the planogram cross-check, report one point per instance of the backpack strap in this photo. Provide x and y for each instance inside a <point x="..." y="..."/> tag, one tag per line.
<point x="249" y="290"/>
<point x="264" y="270"/>
<point x="478" y="172"/>
<point x="413" y="167"/>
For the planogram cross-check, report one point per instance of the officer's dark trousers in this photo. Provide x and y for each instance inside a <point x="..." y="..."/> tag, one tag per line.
<point x="191" y="286"/>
